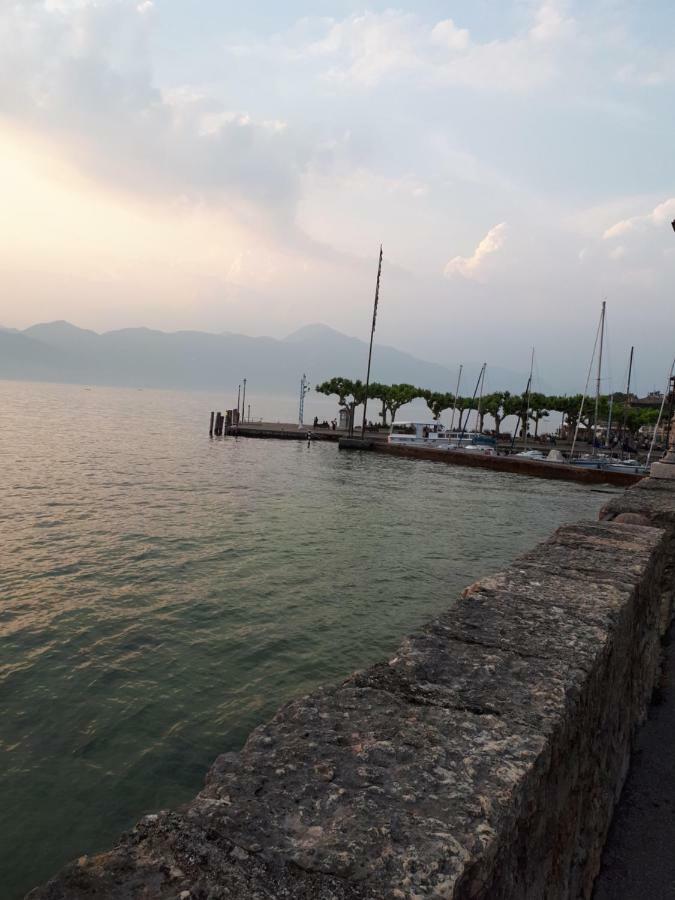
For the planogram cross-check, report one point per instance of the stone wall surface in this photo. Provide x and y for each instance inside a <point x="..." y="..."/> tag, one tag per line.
<point x="482" y="761"/>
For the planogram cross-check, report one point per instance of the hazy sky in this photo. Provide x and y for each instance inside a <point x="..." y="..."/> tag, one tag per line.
<point x="234" y="166"/>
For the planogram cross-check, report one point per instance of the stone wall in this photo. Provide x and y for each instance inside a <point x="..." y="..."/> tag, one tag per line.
<point x="482" y="761"/>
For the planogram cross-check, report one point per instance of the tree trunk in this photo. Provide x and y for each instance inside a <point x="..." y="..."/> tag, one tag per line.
<point x="383" y="414"/>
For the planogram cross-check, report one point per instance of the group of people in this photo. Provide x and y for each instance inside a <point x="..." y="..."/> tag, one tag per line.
<point x="325" y="424"/>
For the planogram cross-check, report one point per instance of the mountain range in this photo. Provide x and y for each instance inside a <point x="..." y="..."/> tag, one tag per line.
<point x="142" y="357"/>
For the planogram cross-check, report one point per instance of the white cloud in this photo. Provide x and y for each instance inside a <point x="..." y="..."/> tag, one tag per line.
<point x="471" y="267"/>
<point x="659" y="216"/>
<point x="550" y="23"/>
<point x="370" y="48"/>
<point x="618" y="252"/>
<point x="81" y="73"/>
<point x="447" y="34"/>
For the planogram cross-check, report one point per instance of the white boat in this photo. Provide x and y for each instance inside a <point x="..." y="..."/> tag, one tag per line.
<point x="530" y="454"/>
<point x="611" y="464"/>
<point x="434" y="435"/>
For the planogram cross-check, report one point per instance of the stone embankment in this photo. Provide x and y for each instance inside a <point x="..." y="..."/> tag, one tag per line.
<point x="483" y="760"/>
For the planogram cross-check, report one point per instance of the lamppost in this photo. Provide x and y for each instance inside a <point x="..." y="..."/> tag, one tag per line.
<point x="304" y="389"/>
<point x="665" y="468"/>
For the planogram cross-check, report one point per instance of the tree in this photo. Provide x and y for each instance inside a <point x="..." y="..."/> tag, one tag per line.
<point x="464" y="405"/>
<point x="538" y="410"/>
<point x="570" y="407"/>
<point x="511" y="406"/>
<point x="381" y="392"/>
<point x="400" y="394"/>
<point x="350" y="394"/>
<point x="495" y="405"/>
<point x="437" y="402"/>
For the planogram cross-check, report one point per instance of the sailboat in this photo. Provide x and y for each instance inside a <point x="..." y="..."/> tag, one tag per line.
<point x="595" y="460"/>
<point x="626" y="465"/>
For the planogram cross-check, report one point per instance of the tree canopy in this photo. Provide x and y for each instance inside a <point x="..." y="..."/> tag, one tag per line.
<point x="499" y="405"/>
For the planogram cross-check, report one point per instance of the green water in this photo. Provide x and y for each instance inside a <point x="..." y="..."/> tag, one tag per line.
<point x="161" y="594"/>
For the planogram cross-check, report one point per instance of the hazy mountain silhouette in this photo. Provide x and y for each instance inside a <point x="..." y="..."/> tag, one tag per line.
<point x="142" y="357"/>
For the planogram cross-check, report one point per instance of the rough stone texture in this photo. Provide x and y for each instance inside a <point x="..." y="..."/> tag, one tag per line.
<point x="482" y="761"/>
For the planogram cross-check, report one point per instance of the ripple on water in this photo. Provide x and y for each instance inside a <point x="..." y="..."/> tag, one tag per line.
<point x="163" y="594"/>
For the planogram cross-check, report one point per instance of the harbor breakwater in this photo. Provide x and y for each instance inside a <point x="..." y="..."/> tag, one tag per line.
<point x="503" y="462"/>
<point x="483" y="760"/>
<point x="514" y="465"/>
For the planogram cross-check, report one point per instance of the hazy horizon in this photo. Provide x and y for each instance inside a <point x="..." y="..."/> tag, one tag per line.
<point x="177" y="362"/>
<point x="216" y="168"/>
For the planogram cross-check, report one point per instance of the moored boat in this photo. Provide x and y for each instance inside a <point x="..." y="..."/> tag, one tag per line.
<point x="434" y="435"/>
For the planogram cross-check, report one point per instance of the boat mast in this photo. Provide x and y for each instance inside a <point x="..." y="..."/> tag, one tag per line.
<point x="622" y="433"/>
<point x="585" y="393"/>
<point x="658" y="421"/>
<point x="370" y="350"/>
<point x="454" y="402"/>
<point x="597" y="384"/>
<point x="480" y="396"/>
<point x="529" y="395"/>
<point x="526" y="410"/>
<point x="475" y="391"/>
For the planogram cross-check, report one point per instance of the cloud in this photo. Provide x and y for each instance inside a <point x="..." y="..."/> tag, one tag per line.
<point x="551" y="24"/>
<point x="368" y="49"/>
<point x="659" y="216"/>
<point x="81" y="74"/>
<point x="448" y="35"/>
<point x="471" y="267"/>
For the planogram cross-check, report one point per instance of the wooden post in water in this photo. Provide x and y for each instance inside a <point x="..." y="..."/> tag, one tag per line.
<point x="211" y="424"/>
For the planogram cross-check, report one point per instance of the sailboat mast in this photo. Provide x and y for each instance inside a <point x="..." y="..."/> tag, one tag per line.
<point x="475" y="391"/>
<point x="370" y="349"/>
<point x="454" y="402"/>
<point x="529" y="394"/>
<point x="597" y="384"/>
<point x="480" y="396"/>
<point x="626" y="401"/>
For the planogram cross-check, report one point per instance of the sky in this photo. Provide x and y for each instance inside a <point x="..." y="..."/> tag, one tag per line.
<point x="206" y="164"/>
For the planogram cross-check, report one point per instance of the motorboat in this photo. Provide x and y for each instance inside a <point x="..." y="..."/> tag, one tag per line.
<point x="434" y="435"/>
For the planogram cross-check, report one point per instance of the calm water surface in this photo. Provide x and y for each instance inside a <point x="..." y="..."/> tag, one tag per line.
<point x="162" y="593"/>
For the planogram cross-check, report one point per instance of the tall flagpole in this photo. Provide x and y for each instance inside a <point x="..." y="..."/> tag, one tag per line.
<point x="370" y="350"/>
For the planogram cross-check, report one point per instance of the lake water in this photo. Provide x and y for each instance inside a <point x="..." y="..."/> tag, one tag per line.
<point x="163" y="593"/>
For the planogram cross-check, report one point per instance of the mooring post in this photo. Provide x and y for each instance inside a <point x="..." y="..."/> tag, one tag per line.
<point x="211" y="424"/>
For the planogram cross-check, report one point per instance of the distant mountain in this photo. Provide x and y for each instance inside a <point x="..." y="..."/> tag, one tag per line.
<point x="141" y="357"/>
